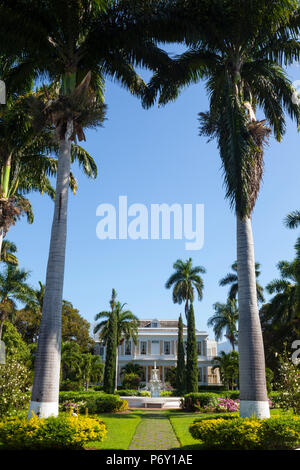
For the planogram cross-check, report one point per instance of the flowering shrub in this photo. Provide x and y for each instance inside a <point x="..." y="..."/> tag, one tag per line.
<point x="51" y="433"/>
<point x="77" y="407"/>
<point x="224" y="404"/>
<point x="248" y="433"/>
<point x="288" y="385"/>
<point x="14" y="386"/>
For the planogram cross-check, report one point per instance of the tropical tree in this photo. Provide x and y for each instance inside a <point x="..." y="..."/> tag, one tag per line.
<point x="132" y="368"/>
<point x="13" y="288"/>
<point x="191" y="354"/>
<point x="241" y="59"/>
<point x="180" y="369"/>
<point x="8" y="250"/>
<point x="231" y="279"/>
<point x="225" y="319"/>
<point x="228" y="365"/>
<point x="185" y="279"/>
<point x="70" y="360"/>
<point x="91" y="369"/>
<point x="127" y="326"/>
<point x="27" y="320"/>
<point x="292" y="220"/>
<point x="78" y="45"/>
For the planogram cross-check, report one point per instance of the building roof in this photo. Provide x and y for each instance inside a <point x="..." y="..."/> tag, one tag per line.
<point x="162" y="324"/>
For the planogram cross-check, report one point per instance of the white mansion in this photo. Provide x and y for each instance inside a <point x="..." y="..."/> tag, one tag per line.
<point x="157" y="342"/>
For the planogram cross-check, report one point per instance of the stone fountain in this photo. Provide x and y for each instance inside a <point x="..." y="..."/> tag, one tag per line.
<point x="155" y="383"/>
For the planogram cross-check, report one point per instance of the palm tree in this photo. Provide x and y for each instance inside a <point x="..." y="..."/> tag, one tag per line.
<point x="292" y="220"/>
<point x="232" y="280"/>
<point x="25" y="161"/>
<point x="284" y="307"/>
<point x="70" y="359"/>
<point x="241" y="59"/>
<point x="185" y="279"/>
<point x="13" y="287"/>
<point x="225" y="319"/>
<point x="77" y="44"/>
<point x="228" y="365"/>
<point x="127" y="326"/>
<point x="131" y="368"/>
<point x="7" y="253"/>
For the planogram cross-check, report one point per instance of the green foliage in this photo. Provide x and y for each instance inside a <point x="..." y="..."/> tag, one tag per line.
<point x="228" y="365"/>
<point x="269" y="379"/>
<point x="248" y="433"/>
<point x="14" y="344"/>
<point x="131" y="380"/>
<point x="195" y="401"/>
<point x="180" y="369"/>
<point x="96" y="402"/>
<point x="68" y="385"/>
<point x="288" y="385"/>
<point x="191" y="354"/>
<point x="75" y="327"/>
<point x="15" y="380"/>
<point x="63" y="432"/>
<point x="110" y="356"/>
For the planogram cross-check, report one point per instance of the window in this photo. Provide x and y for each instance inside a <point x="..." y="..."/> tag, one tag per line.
<point x="143" y="347"/>
<point x="167" y="345"/>
<point x="128" y="348"/>
<point x="154" y="325"/>
<point x="200" y="375"/>
<point x="198" y="348"/>
<point x="101" y="351"/>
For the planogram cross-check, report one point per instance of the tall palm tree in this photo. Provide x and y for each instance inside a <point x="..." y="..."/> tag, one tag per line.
<point x="77" y="44"/>
<point x="292" y="220"/>
<point x="127" y="327"/>
<point x="184" y="280"/>
<point x="240" y="58"/>
<point x="8" y="250"/>
<point x="225" y="319"/>
<point x="13" y="287"/>
<point x="26" y="162"/>
<point x="231" y="279"/>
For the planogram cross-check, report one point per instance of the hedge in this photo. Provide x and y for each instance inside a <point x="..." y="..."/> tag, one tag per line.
<point x="95" y="402"/>
<point x="195" y="401"/>
<point x="276" y="433"/>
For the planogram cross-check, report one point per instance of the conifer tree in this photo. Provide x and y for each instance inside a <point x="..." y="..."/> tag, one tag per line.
<point x="191" y="351"/>
<point x="110" y="357"/>
<point x="180" y="372"/>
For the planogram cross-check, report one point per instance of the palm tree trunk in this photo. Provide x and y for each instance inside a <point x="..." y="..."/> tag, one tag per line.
<point x="44" y="398"/>
<point x="253" y="392"/>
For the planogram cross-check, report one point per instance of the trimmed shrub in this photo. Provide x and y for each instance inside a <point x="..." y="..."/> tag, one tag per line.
<point x="95" y="402"/>
<point x="196" y="401"/>
<point x="275" y="433"/>
<point x="67" y="386"/>
<point x="63" y="432"/>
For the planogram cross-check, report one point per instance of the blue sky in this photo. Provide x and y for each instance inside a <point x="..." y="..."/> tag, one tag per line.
<point x="156" y="156"/>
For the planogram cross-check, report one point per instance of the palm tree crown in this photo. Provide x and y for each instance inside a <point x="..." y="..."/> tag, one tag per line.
<point x="184" y="280"/>
<point x="225" y="319"/>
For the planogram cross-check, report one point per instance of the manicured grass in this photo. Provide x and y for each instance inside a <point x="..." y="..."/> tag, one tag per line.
<point x="120" y="430"/>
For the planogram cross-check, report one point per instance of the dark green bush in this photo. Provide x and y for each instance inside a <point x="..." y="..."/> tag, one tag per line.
<point x="68" y="385"/>
<point x="95" y="402"/>
<point x="195" y="401"/>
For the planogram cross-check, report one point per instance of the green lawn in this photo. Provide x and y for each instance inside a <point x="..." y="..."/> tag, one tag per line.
<point x="120" y="430"/>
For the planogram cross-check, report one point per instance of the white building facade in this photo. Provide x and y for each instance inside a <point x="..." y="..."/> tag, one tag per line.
<point x="157" y="342"/>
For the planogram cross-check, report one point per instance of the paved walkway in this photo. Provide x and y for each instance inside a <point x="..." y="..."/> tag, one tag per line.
<point x="154" y="432"/>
